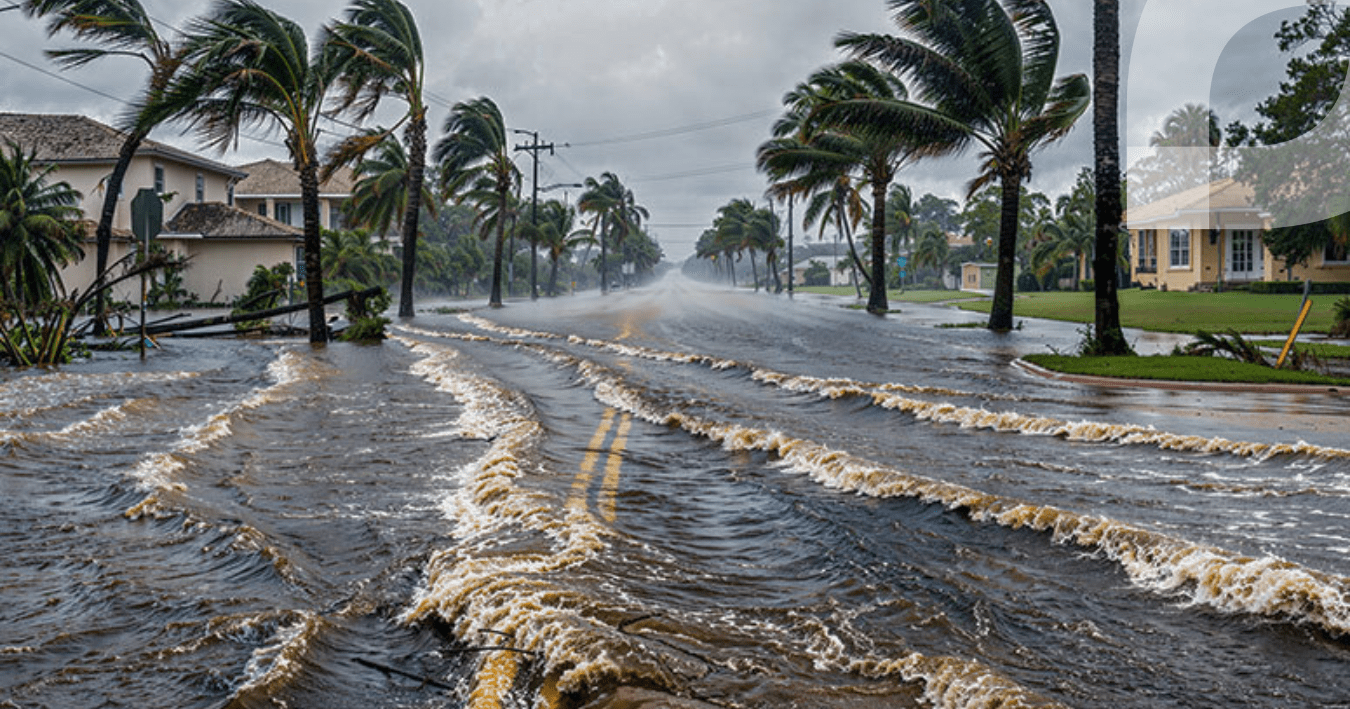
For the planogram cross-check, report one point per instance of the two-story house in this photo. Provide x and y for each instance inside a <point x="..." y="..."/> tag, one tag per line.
<point x="224" y="242"/>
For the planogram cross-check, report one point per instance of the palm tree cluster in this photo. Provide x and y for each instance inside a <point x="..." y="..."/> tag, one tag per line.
<point x="963" y="72"/>
<point x="742" y="229"/>
<point x="243" y="66"/>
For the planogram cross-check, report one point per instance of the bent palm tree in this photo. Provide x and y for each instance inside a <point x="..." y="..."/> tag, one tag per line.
<point x="246" y="65"/>
<point x="475" y="146"/>
<point x="982" y="71"/>
<point x="617" y="214"/>
<point x="380" y="49"/>
<point x="126" y="30"/>
<point x="38" y="231"/>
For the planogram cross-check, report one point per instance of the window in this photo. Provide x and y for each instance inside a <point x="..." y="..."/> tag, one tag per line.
<point x="335" y="220"/>
<point x="1243" y="251"/>
<point x="282" y="212"/>
<point x="159" y="179"/>
<point x="1336" y="252"/>
<point x="262" y="209"/>
<point x="1179" y="253"/>
<point x="1148" y="251"/>
<point x="201" y="187"/>
<point x="229" y="194"/>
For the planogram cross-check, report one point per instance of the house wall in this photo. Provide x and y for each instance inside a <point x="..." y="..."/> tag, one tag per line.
<point x="180" y="180"/>
<point x="1208" y="257"/>
<point x="227" y="265"/>
<point x="80" y="275"/>
<point x="251" y="203"/>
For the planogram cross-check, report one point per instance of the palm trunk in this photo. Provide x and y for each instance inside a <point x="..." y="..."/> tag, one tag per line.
<point x="1106" y="146"/>
<point x="553" y="278"/>
<point x="416" y="135"/>
<point x="876" y="299"/>
<point x="495" y="296"/>
<point x="604" y="259"/>
<point x="103" y="232"/>
<point x="309" y="198"/>
<point x="754" y="270"/>
<point x="731" y="268"/>
<point x="1001" y="316"/>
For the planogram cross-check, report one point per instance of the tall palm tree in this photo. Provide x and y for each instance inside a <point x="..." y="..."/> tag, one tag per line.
<point x="558" y="237"/>
<point x="832" y="148"/>
<point x="380" y="49"/>
<point x="475" y="157"/>
<point x="1109" y="337"/>
<point x="982" y="71"/>
<point x="245" y="65"/>
<point x="843" y="204"/>
<point x="124" y="29"/>
<point x="352" y="256"/>
<point x="38" y="229"/>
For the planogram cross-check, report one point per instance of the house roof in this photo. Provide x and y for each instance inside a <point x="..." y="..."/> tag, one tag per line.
<point x="214" y="220"/>
<point x="273" y="178"/>
<point x="70" y="139"/>
<point x="1222" y="195"/>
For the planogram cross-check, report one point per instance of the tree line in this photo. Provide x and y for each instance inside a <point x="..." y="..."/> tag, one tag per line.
<point x="244" y="66"/>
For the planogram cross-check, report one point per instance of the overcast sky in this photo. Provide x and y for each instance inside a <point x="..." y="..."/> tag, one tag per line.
<point x="674" y="96"/>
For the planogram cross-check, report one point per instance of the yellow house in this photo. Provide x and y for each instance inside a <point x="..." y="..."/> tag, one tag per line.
<point x="224" y="244"/>
<point x="1212" y="234"/>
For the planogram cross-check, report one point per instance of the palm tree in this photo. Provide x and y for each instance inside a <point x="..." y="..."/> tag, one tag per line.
<point x="380" y="49"/>
<point x="558" y="237"/>
<point x="380" y="195"/>
<point x="844" y="204"/>
<point x="38" y="229"/>
<point x="831" y="148"/>
<point x="245" y="65"/>
<point x="983" y="71"/>
<point x="932" y="251"/>
<point x="617" y="214"/>
<point x="475" y="159"/>
<point x="1109" y="338"/>
<point x="1073" y="234"/>
<point x="352" y="256"/>
<point x="125" y="30"/>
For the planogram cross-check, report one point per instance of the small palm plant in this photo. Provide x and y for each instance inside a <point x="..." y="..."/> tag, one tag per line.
<point x="1341" y="324"/>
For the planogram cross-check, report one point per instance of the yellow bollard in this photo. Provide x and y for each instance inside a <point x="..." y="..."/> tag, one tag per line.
<point x="1298" y="324"/>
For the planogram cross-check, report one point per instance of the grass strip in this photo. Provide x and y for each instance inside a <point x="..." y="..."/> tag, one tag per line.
<point x="1179" y="368"/>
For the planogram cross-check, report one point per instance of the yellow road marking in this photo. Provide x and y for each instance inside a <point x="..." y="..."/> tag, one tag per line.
<point x="583" y="481"/>
<point x="610" y="487"/>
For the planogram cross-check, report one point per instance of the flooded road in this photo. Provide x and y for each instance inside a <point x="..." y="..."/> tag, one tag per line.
<point x="676" y="496"/>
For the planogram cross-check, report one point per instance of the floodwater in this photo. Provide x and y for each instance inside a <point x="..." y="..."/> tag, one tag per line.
<point x="677" y="496"/>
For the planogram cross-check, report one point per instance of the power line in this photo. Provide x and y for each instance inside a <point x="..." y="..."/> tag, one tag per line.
<point x="679" y="130"/>
<point x="701" y="172"/>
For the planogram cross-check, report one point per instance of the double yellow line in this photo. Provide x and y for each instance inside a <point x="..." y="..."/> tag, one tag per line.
<point x="498" y="672"/>
<point x="609" y="486"/>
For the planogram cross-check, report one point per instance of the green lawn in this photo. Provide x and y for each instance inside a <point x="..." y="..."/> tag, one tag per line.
<point x="908" y="296"/>
<point x="1172" y="311"/>
<point x="1179" y="368"/>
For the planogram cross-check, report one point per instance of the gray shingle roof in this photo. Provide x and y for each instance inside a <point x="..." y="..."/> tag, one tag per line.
<point x="80" y="139"/>
<point x="214" y="220"/>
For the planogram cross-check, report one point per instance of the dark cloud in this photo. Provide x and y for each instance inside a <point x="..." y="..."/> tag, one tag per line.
<point x="708" y="74"/>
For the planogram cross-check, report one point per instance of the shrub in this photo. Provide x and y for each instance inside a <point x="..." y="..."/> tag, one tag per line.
<point x="1341" y="326"/>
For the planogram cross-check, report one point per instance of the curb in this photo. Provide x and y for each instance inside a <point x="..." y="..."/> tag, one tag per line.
<point x="1233" y="387"/>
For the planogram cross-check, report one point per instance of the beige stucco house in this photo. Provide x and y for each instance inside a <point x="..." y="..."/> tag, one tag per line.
<point x="224" y="244"/>
<point x="85" y="151"/>
<point x="1194" y="239"/>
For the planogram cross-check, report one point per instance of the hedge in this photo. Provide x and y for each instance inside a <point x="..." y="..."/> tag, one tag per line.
<point x="1296" y="288"/>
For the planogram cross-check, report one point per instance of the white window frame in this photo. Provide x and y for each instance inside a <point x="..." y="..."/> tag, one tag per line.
<point x="1179" y="244"/>
<point x="201" y="188"/>
<point x="159" y="179"/>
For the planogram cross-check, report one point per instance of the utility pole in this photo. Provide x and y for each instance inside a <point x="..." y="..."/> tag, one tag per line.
<point x="534" y="148"/>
